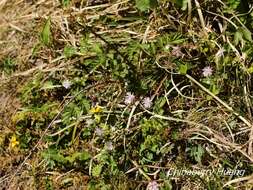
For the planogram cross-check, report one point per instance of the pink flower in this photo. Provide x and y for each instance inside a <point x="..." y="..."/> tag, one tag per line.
<point x="147" y="102"/>
<point x="109" y="145"/>
<point x="207" y="71"/>
<point x="153" y="185"/>
<point x="176" y="51"/>
<point x="129" y="98"/>
<point x="99" y="131"/>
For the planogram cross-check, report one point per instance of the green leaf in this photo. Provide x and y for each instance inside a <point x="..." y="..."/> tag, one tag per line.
<point x="158" y="108"/>
<point x="8" y="65"/>
<point x="54" y="155"/>
<point x="250" y="70"/>
<point x="175" y="135"/>
<point x="237" y="37"/>
<point x="65" y="3"/>
<point x="46" y="36"/>
<point x="96" y="171"/>
<point x="73" y="157"/>
<point x="247" y="34"/>
<point x="36" y="49"/>
<point x="182" y="4"/>
<point x="183" y="68"/>
<point x="144" y="5"/>
<point x="84" y="156"/>
<point x="97" y="48"/>
<point x="69" y="51"/>
<point x="233" y="4"/>
<point x="197" y="152"/>
<point x="215" y="90"/>
<point x="242" y="34"/>
<point x="153" y="4"/>
<point x="48" y="85"/>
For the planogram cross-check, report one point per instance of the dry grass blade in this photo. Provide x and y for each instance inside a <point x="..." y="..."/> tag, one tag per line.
<point x="232" y="110"/>
<point x="247" y="178"/>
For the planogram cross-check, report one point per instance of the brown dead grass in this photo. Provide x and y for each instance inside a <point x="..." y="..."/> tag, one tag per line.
<point x="20" y="22"/>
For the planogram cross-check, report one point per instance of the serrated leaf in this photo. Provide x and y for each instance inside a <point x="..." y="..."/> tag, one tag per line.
<point x="54" y="155"/>
<point x="96" y="171"/>
<point x="46" y="36"/>
<point x="73" y="157"/>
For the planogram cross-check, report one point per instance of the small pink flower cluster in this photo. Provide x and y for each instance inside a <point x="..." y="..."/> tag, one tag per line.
<point x="207" y="71"/>
<point x="129" y="99"/>
<point x="153" y="185"/>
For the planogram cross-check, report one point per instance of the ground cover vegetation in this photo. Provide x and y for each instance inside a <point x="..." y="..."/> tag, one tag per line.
<point x="118" y="94"/>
